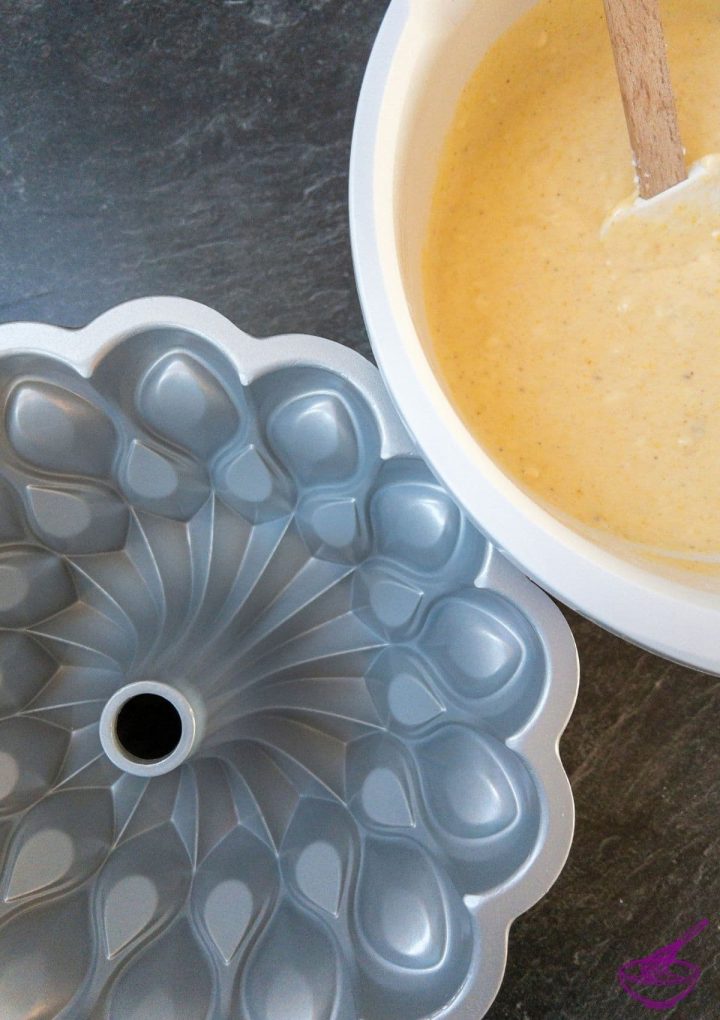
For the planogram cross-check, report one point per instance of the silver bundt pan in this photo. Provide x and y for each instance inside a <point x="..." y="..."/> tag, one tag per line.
<point x="278" y="726"/>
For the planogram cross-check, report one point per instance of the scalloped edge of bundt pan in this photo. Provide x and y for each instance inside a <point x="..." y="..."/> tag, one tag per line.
<point x="278" y="726"/>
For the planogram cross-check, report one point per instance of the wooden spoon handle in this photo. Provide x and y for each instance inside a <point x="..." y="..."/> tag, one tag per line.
<point x="638" y="45"/>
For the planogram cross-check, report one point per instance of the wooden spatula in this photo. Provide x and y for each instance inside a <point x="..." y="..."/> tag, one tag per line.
<point x="638" y="44"/>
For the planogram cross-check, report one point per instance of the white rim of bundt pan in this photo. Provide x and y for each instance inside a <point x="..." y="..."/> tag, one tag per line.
<point x="537" y="742"/>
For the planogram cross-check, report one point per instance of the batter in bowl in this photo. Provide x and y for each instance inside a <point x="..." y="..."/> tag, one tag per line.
<point x="585" y="360"/>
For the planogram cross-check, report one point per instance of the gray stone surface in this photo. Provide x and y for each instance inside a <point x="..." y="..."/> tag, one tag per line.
<point x="201" y="149"/>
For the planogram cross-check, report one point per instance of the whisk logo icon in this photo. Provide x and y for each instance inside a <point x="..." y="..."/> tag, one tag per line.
<point x="660" y="980"/>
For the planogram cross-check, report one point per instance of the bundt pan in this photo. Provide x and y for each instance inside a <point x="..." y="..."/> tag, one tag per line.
<point x="278" y="726"/>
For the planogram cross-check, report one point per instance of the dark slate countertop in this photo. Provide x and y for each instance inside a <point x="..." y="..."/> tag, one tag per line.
<point x="201" y="149"/>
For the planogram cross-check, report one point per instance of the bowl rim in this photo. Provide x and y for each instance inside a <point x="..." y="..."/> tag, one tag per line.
<point x="672" y="619"/>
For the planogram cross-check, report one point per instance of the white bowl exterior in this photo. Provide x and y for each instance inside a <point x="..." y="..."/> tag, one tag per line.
<point x="419" y="42"/>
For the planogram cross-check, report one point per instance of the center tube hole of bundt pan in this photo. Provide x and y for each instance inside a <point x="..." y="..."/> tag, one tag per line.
<point x="148" y="727"/>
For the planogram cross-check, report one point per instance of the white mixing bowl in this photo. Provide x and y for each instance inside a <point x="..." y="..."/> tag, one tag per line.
<point x="425" y="53"/>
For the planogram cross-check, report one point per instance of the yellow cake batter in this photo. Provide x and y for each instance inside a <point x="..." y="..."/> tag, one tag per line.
<point x="587" y="362"/>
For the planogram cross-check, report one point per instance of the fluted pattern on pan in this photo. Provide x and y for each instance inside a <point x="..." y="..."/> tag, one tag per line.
<point x="162" y="521"/>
